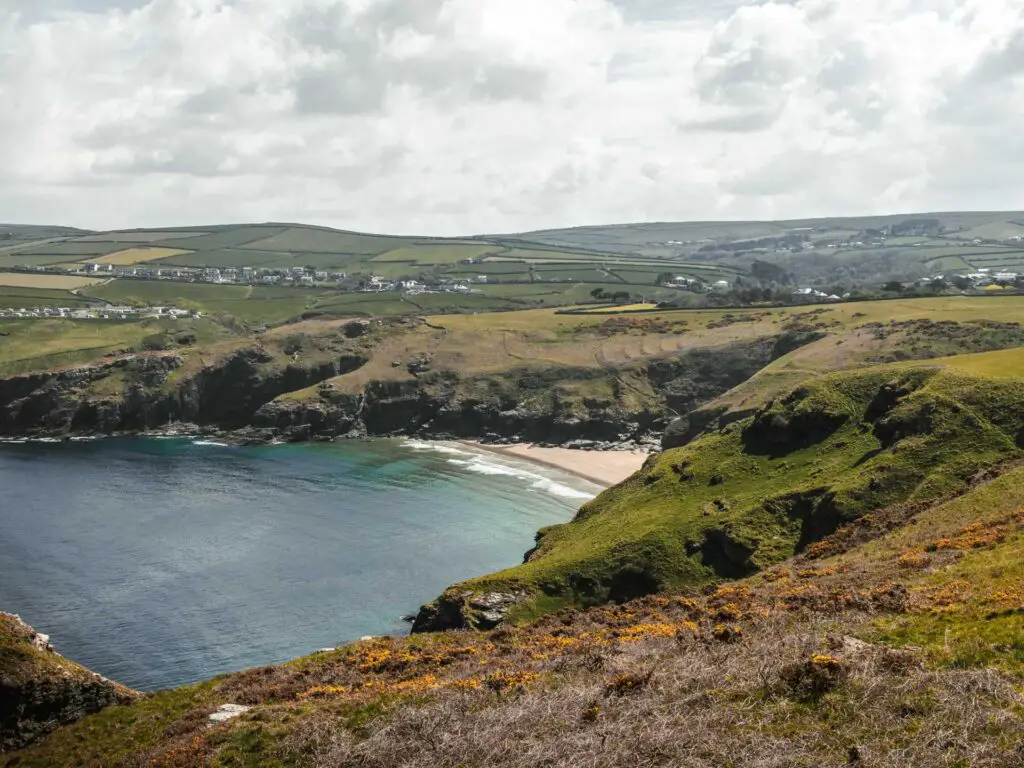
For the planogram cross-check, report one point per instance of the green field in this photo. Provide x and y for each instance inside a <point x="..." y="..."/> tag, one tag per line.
<point x="12" y="297"/>
<point x="231" y="238"/>
<point x="426" y="254"/>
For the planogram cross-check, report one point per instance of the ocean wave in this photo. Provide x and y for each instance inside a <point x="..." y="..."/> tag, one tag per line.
<point x="211" y="442"/>
<point x="421" y="445"/>
<point x="558" y="489"/>
<point x="483" y="465"/>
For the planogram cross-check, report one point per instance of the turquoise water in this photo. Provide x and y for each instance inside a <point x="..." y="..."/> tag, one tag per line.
<point x="163" y="562"/>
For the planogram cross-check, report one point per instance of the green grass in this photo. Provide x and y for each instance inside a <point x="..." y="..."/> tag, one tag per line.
<point x="738" y="501"/>
<point x="40" y="344"/>
<point x="110" y="736"/>
<point x="25" y="261"/>
<point x="490" y="268"/>
<point x="14" y="297"/>
<point x="233" y="257"/>
<point x="428" y="254"/>
<point x="166" y="292"/>
<point x="312" y="240"/>
<point x="73" y="250"/>
<point x="949" y="264"/>
<point x="228" y="238"/>
<point x="36" y="345"/>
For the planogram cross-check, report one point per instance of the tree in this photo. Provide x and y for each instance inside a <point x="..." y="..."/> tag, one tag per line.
<point x="597" y="293"/>
<point x="894" y="286"/>
<point x="767" y="272"/>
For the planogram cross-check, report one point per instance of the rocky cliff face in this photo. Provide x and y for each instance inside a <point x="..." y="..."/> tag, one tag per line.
<point x="134" y="393"/>
<point x="241" y="393"/>
<point x="41" y="690"/>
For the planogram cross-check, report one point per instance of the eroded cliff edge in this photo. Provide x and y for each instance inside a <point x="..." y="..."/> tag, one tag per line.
<point x="297" y="387"/>
<point x="41" y="690"/>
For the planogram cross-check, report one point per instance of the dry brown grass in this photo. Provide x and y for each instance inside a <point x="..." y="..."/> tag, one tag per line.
<point x="52" y="282"/>
<point x="139" y="255"/>
<point x="706" y="705"/>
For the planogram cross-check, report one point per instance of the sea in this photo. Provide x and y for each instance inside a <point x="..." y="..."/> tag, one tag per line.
<point x="162" y="562"/>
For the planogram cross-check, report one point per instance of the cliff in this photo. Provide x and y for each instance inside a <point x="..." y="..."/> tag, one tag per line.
<point x="740" y="499"/>
<point x="258" y="392"/>
<point x="40" y="690"/>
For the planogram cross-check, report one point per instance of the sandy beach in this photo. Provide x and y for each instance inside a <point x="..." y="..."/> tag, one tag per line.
<point x="604" y="468"/>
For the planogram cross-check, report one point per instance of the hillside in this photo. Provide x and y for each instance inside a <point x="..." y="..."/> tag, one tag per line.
<point x="273" y="273"/>
<point x="871" y="248"/>
<point x="534" y="375"/>
<point x="860" y="604"/>
<point x="269" y="273"/>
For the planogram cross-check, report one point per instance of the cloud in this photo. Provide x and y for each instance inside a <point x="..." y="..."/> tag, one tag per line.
<point x="456" y="116"/>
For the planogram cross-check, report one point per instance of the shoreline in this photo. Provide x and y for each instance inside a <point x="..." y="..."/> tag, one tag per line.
<point x="602" y="468"/>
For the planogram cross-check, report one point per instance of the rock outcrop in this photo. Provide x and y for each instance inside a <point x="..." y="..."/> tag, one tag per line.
<point x="41" y="690"/>
<point x="466" y="610"/>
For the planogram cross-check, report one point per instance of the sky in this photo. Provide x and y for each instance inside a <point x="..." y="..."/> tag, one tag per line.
<point x="487" y="116"/>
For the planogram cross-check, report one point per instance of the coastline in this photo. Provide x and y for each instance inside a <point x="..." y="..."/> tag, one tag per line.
<point x="602" y="468"/>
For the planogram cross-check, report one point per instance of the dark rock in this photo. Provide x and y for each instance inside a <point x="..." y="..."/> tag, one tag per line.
<point x="356" y="329"/>
<point x="466" y="610"/>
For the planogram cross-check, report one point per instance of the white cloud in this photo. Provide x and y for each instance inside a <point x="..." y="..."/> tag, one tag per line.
<point x="456" y="116"/>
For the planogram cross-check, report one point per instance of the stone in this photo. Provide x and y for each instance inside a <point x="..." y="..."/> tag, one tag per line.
<point x="226" y="712"/>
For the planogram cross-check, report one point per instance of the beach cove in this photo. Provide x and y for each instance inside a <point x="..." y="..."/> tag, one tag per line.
<point x="160" y="562"/>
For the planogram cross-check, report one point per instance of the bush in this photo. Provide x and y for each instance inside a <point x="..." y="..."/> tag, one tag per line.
<point x="812" y="679"/>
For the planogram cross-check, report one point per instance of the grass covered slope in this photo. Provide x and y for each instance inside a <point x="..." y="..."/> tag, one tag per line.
<point x="895" y="641"/>
<point x="746" y="497"/>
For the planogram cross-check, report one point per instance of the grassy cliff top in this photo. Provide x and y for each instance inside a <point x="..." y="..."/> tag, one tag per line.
<point x="25" y="655"/>
<point x="746" y="497"/>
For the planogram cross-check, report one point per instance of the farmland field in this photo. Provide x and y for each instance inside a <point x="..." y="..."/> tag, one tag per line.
<point x="55" y="282"/>
<point x="435" y="254"/>
<point x="72" y="249"/>
<point x="163" y="292"/>
<point x="308" y="239"/>
<point x="228" y="257"/>
<point x="139" y="256"/>
<point x="34" y="260"/>
<point x="229" y="238"/>
<point x="140" y="236"/>
<point x="13" y="297"/>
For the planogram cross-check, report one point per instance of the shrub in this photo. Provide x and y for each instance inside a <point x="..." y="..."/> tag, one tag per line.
<point x="629" y="683"/>
<point x="914" y="559"/>
<point x="812" y="679"/>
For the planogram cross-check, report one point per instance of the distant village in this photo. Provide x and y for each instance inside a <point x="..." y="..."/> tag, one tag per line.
<point x="104" y="312"/>
<point x="294" y="276"/>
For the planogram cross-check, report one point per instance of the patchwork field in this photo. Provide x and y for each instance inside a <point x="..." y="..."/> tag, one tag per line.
<point x="15" y="297"/>
<point x="139" y="255"/>
<point x="54" y="282"/>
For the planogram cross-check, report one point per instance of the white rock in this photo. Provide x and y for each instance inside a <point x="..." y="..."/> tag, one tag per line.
<point x="227" y="711"/>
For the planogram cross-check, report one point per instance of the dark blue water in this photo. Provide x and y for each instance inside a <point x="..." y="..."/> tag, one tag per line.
<point x="163" y="562"/>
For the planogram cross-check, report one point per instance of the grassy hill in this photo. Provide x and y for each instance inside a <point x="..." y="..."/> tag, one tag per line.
<point x="868" y="248"/>
<point x="547" y="268"/>
<point x="741" y="499"/>
<point x="893" y="637"/>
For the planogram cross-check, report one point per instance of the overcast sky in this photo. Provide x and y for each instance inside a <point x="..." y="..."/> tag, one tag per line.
<point x="468" y="116"/>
